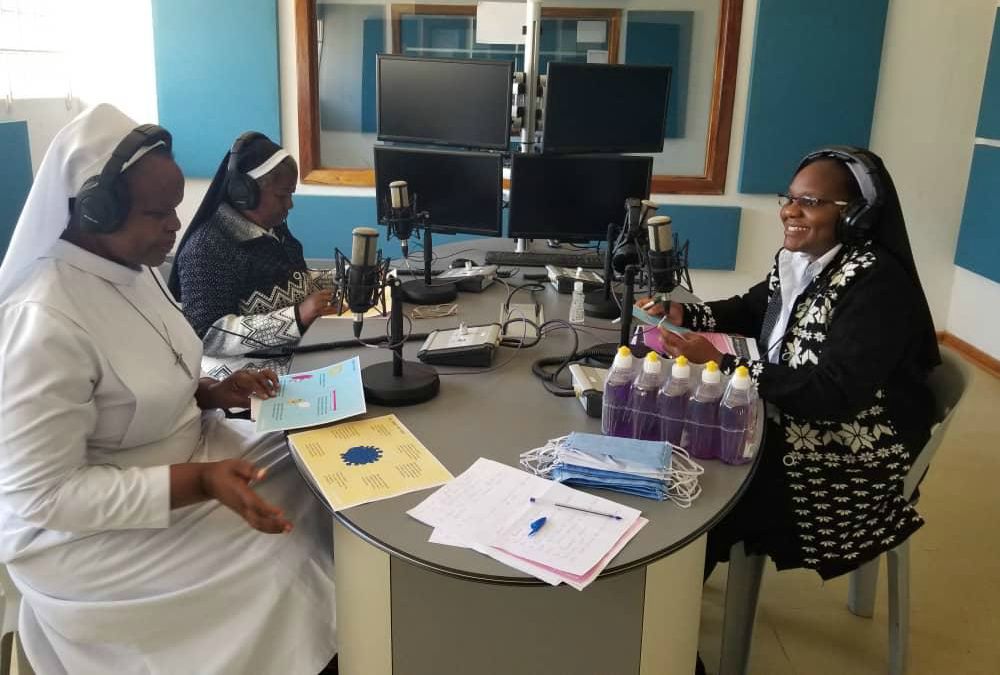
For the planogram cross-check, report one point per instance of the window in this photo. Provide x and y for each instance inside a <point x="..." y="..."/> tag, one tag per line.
<point x="34" y="62"/>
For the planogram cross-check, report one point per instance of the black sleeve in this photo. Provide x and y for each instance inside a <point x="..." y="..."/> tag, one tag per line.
<point x="869" y="333"/>
<point x="740" y="314"/>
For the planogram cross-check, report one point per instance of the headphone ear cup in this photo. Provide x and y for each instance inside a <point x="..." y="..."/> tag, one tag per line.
<point x="96" y="209"/>
<point x="850" y="227"/>
<point x="243" y="192"/>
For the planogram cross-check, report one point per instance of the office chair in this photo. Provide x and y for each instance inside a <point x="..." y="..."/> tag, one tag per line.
<point x="948" y="383"/>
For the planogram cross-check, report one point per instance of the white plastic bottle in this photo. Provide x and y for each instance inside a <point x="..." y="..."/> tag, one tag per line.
<point x="576" y="304"/>
<point x="643" y="402"/>
<point x="734" y="418"/>
<point x="615" y="417"/>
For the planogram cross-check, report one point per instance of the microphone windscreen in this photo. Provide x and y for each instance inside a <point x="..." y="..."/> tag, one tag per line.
<point x="364" y="246"/>
<point x="399" y="194"/>
<point x="661" y="236"/>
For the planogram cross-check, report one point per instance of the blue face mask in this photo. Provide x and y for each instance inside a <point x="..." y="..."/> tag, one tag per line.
<point x="643" y="468"/>
<point x="649" y="454"/>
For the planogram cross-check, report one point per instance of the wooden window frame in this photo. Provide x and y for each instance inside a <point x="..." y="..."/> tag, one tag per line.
<point x="711" y="182"/>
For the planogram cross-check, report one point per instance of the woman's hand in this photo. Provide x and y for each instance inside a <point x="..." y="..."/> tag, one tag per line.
<point x="673" y="311"/>
<point x="228" y="481"/>
<point x="695" y="347"/>
<point x="316" y="305"/>
<point x="235" y="391"/>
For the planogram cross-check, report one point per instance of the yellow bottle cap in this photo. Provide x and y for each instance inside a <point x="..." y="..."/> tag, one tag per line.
<point x="741" y="371"/>
<point x="624" y="351"/>
<point x="712" y="366"/>
<point x="652" y="356"/>
<point x="681" y="360"/>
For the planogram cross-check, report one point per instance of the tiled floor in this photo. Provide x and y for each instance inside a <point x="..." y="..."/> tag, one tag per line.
<point x="804" y="627"/>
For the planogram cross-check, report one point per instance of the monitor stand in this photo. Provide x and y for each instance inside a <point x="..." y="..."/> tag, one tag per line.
<point x="522" y="245"/>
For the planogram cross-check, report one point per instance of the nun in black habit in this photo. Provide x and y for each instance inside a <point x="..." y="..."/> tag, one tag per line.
<point x="847" y="342"/>
<point x="239" y="273"/>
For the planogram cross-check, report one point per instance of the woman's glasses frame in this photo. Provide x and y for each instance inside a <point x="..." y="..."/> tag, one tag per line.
<point x="807" y="202"/>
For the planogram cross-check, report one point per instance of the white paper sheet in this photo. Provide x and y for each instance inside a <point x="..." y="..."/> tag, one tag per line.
<point x="591" y="31"/>
<point x="597" y="56"/>
<point x="500" y="23"/>
<point x="570" y="541"/>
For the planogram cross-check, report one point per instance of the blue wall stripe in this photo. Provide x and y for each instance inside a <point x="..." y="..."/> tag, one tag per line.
<point x="979" y="236"/>
<point x="324" y="223"/>
<point x="216" y="76"/>
<point x="989" y="110"/>
<point x="813" y="81"/>
<point x="15" y="177"/>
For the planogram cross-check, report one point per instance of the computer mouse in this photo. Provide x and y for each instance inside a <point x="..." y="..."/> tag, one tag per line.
<point x="460" y="262"/>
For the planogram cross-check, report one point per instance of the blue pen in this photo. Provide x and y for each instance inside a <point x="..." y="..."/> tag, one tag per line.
<point x="536" y="525"/>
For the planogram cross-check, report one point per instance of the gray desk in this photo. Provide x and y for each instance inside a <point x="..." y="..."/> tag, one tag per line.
<point x="409" y="607"/>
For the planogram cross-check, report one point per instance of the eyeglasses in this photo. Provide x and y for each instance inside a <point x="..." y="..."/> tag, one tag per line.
<point x="807" y="202"/>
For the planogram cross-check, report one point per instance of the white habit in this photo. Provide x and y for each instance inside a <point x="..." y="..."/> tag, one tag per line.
<point x="93" y="410"/>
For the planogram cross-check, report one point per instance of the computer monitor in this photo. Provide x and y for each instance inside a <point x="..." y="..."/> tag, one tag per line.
<point x="462" y="191"/>
<point x="591" y="107"/>
<point x="573" y="198"/>
<point x="464" y="103"/>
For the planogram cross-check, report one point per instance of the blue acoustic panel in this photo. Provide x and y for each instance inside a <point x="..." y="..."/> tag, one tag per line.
<point x="989" y="110"/>
<point x="713" y="233"/>
<point x="324" y="223"/>
<point x="979" y="236"/>
<point x="15" y="177"/>
<point x="813" y="80"/>
<point x="664" y="39"/>
<point x="373" y="43"/>
<point x="216" y="75"/>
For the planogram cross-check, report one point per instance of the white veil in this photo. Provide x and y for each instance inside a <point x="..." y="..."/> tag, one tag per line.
<point x="79" y="151"/>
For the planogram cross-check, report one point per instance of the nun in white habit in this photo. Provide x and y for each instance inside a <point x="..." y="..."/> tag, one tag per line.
<point x="131" y="516"/>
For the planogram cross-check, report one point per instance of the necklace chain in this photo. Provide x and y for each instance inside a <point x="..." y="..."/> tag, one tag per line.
<point x="165" y="335"/>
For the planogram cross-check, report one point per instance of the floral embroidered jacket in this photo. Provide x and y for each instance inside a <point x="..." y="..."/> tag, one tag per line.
<point x="852" y="407"/>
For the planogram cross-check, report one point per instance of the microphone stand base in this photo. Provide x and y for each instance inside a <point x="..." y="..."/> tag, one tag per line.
<point x="417" y="384"/>
<point x="417" y="292"/>
<point x="600" y="307"/>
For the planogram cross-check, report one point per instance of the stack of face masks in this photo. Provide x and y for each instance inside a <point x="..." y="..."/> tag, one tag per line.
<point x="645" y="468"/>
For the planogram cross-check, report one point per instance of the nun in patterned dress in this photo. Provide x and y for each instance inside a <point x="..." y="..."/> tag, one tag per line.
<point x="239" y="273"/>
<point x="847" y="342"/>
<point x="128" y="517"/>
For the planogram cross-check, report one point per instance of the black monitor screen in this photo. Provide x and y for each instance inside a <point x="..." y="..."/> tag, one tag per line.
<point x="462" y="191"/>
<point x="444" y="101"/>
<point x="573" y="198"/>
<point x="605" y="108"/>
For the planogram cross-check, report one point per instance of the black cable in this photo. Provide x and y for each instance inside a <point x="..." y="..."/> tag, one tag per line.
<point x="335" y="344"/>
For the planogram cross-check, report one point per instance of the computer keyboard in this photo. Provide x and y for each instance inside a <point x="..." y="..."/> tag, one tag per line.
<point x="543" y="258"/>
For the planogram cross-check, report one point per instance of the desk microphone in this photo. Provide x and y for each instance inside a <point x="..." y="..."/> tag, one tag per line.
<point x="631" y="242"/>
<point x="402" y="216"/>
<point x="667" y="261"/>
<point x="363" y="275"/>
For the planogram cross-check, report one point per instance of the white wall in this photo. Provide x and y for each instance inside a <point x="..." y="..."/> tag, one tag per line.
<point x="925" y="120"/>
<point x="973" y="315"/>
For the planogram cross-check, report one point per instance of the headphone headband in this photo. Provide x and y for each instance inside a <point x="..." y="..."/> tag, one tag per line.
<point x="101" y="205"/>
<point x="858" y="217"/>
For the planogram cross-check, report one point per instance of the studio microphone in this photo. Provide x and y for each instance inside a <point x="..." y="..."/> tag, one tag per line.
<point x="667" y="261"/>
<point x="363" y="275"/>
<point x="401" y="222"/>
<point x="632" y="239"/>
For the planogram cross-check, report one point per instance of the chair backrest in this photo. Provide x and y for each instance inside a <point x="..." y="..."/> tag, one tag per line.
<point x="947" y="383"/>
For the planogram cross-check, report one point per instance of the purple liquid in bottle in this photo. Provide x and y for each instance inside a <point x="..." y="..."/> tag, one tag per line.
<point x="701" y="430"/>
<point x="643" y="403"/>
<point x="616" y="418"/>
<point x="735" y="418"/>
<point x="672" y="402"/>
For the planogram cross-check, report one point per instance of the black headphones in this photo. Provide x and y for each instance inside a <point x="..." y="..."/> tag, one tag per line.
<point x="103" y="200"/>
<point x="858" y="217"/>
<point x="241" y="190"/>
